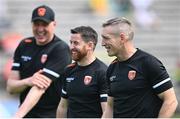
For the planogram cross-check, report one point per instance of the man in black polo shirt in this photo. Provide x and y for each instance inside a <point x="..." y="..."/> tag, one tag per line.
<point x="38" y="63"/>
<point x="84" y="92"/>
<point x="139" y="85"/>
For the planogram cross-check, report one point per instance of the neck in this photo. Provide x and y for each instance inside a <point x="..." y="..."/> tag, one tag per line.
<point x="87" y="60"/>
<point x="127" y="53"/>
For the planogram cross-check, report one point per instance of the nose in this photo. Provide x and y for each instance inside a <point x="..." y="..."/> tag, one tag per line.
<point x="102" y="43"/>
<point x="71" y="46"/>
<point x="40" y="28"/>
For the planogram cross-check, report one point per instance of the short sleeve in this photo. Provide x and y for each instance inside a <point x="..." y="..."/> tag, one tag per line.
<point x="102" y="84"/>
<point x="17" y="56"/>
<point x="64" y="92"/>
<point x="58" y="59"/>
<point x="157" y="75"/>
<point x="108" y="79"/>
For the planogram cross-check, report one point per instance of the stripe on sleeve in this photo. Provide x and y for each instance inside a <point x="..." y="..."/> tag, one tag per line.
<point x="64" y="92"/>
<point x="16" y="64"/>
<point x="51" y="72"/>
<point x="162" y="82"/>
<point x="103" y="95"/>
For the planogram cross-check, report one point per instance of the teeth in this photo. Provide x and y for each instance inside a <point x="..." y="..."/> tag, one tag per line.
<point x="41" y="33"/>
<point x="73" y="52"/>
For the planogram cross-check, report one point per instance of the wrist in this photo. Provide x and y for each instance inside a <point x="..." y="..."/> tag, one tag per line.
<point x="27" y="82"/>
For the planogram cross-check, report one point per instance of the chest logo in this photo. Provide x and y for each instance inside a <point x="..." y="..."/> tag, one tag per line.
<point x="44" y="58"/>
<point x="131" y="74"/>
<point x="87" y="80"/>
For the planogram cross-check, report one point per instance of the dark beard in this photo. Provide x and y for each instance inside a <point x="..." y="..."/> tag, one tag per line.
<point x="79" y="54"/>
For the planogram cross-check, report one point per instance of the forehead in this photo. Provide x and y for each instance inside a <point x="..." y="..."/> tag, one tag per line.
<point x="76" y="37"/>
<point x="107" y="31"/>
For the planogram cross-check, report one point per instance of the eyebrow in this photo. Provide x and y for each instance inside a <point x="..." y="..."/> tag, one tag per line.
<point x="105" y="37"/>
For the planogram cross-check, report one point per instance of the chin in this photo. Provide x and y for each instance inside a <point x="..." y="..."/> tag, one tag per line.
<point x="111" y="55"/>
<point x="41" y="40"/>
<point x="74" y="58"/>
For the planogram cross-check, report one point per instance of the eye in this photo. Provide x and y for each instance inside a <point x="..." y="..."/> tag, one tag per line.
<point x="105" y="38"/>
<point x="74" y="42"/>
<point x="40" y="23"/>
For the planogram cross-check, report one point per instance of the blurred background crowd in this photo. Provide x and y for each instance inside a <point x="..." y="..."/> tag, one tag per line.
<point x="157" y="30"/>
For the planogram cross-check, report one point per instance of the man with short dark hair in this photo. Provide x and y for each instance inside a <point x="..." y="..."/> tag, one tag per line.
<point x="139" y="85"/>
<point x="84" y="92"/>
<point x="38" y="63"/>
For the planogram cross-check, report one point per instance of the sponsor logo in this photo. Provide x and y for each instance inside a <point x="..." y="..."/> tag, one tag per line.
<point x="26" y="58"/>
<point x="44" y="58"/>
<point x="87" y="80"/>
<point x="69" y="79"/>
<point x="131" y="74"/>
<point x="112" y="78"/>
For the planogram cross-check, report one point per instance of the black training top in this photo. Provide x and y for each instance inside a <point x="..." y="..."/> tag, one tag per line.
<point x="52" y="59"/>
<point x="85" y="88"/>
<point x="135" y="83"/>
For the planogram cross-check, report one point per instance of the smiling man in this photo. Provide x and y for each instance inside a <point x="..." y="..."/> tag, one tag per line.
<point x="84" y="92"/>
<point x="139" y="85"/>
<point x="38" y="63"/>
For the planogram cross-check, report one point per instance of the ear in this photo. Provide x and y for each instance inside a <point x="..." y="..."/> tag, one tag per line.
<point x="54" y="23"/>
<point x="123" y="36"/>
<point x="90" y="45"/>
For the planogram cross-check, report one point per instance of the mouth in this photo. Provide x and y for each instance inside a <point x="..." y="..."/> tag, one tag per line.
<point x="40" y="35"/>
<point x="107" y="48"/>
<point x="73" y="52"/>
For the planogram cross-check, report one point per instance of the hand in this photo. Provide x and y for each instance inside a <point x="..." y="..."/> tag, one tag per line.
<point x="40" y="80"/>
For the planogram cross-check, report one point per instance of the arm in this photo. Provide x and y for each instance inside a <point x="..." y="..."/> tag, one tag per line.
<point x="33" y="96"/>
<point x="62" y="109"/>
<point x="17" y="85"/>
<point x="30" y="101"/>
<point x="108" y="113"/>
<point x="103" y="106"/>
<point x="169" y="103"/>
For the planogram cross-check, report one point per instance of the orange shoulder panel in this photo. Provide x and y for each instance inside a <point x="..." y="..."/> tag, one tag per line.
<point x="71" y="65"/>
<point x="28" y="41"/>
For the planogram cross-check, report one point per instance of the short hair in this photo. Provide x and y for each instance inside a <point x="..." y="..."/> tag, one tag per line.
<point x="87" y="33"/>
<point x="122" y="25"/>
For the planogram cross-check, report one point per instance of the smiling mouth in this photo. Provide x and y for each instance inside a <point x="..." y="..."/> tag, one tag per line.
<point x="73" y="52"/>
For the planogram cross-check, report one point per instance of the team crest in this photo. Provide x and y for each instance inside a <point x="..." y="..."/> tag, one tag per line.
<point x="87" y="80"/>
<point x="131" y="74"/>
<point x="41" y="11"/>
<point x="44" y="58"/>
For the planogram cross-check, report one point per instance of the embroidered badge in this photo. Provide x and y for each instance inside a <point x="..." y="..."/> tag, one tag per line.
<point x="131" y="74"/>
<point x="41" y="11"/>
<point x="44" y="58"/>
<point x="87" y="80"/>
